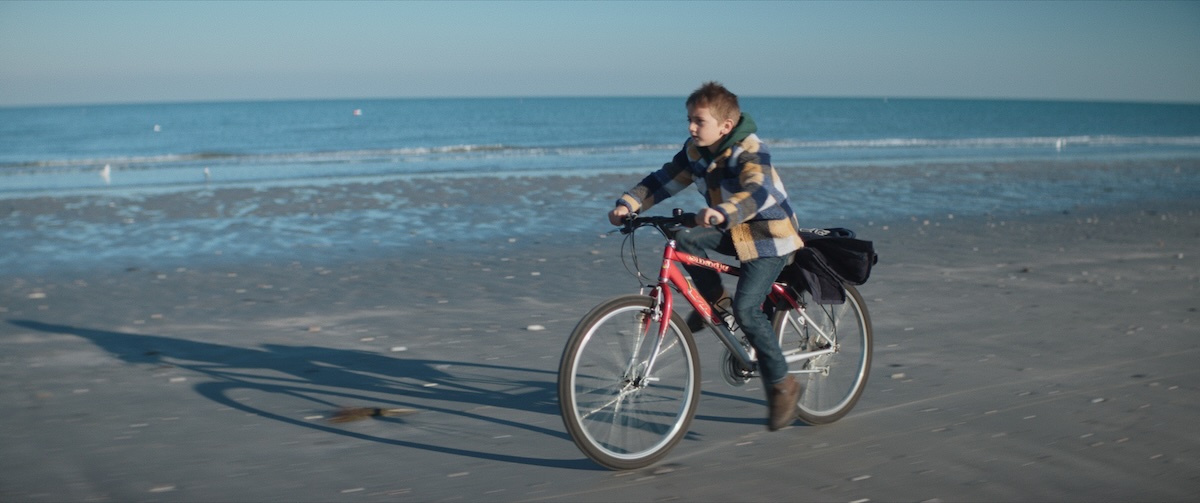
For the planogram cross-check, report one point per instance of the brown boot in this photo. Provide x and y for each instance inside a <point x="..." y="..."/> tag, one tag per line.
<point x="781" y="403"/>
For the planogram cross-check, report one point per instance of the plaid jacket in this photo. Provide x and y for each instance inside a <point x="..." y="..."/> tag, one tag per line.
<point x="741" y="184"/>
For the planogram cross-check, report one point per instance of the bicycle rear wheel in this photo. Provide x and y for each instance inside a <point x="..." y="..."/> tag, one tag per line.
<point x="619" y="415"/>
<point x="833" y="382"/>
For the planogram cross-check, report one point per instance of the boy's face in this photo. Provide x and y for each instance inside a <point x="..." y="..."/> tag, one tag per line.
<point x="705" y="129"/>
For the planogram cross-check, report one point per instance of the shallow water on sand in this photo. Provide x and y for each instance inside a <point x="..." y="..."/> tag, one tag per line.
<point x="393" y="216"/>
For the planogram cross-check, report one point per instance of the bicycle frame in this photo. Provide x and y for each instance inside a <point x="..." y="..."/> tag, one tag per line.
<point x="671" y="275"/>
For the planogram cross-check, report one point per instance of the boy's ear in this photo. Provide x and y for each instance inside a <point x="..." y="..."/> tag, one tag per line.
<point x="727" y="126"/>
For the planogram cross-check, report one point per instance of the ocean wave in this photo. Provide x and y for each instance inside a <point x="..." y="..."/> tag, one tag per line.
<point x="345" y="156"/>
<point x="419" y="154"/>
<point x="1013" y="142"/>
<point x="233" y="157"/>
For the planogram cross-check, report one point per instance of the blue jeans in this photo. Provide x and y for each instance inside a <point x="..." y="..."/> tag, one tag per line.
<point x="753" y="286"/>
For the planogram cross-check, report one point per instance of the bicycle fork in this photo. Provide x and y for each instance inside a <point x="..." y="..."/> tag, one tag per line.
<point x="640" y="371"/>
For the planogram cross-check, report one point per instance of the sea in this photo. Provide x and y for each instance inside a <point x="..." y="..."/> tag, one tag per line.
<point x="860" y="159"/>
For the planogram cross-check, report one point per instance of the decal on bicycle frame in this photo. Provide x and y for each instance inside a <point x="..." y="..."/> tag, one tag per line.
<point x="703" y="262"/>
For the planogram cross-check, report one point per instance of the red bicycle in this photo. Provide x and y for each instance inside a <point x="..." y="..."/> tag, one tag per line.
<point x="629" y="379"/>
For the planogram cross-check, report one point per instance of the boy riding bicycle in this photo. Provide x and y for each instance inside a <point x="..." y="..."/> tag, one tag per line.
<point x="748" y="217"/>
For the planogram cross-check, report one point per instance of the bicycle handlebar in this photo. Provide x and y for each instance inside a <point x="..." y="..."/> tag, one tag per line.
<point x="677" y="218"/>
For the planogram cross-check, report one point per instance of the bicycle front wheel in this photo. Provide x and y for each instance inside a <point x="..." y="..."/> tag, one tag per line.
<point x="626" y="397"/>
<point x="837" y="338"/>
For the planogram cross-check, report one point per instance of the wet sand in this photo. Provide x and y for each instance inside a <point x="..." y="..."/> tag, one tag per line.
<point x="1045" y="356"/>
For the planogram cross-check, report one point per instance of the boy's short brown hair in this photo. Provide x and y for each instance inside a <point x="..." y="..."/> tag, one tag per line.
<point x="721" y="103"/>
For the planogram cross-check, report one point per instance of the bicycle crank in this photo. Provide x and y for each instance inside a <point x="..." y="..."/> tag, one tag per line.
<point x="735" y="375"/>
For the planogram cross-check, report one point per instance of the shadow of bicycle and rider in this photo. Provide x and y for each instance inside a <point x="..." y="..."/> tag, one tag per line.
<point x="330" y="378"/>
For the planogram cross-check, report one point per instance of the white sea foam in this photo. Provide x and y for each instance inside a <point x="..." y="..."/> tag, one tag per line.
<point x="985" y="143"/>
<point x="226" y="168"/>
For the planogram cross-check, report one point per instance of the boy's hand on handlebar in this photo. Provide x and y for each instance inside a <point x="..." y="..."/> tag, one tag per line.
<point x="709" y="217"/>
<point x="618" y="214"/>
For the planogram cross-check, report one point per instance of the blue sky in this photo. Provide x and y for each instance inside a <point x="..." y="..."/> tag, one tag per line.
<point x="122" y="52"/>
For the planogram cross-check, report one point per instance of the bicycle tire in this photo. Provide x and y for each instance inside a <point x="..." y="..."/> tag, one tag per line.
<point x="834" y="382"/>
<point x="617" y="418"/>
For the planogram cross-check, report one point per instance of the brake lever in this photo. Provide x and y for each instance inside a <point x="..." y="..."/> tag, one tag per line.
<point x="627" y="227"/>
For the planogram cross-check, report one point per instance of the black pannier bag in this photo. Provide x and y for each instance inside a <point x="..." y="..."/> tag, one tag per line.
<point x="830" y="258"/>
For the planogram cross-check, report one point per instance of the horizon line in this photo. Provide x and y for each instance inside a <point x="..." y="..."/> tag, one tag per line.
<point x="199" y="101"/>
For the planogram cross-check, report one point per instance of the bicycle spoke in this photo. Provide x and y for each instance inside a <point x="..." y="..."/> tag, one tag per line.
<point x="616" y="398"/>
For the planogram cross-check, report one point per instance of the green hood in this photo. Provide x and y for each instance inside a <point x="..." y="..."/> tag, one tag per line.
<point x="745" y="127"/>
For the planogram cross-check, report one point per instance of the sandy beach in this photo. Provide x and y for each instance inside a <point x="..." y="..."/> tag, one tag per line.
<point x="1020" y="356"/>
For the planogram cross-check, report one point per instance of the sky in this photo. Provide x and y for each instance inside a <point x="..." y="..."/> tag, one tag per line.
<point x="54" y="53"/>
